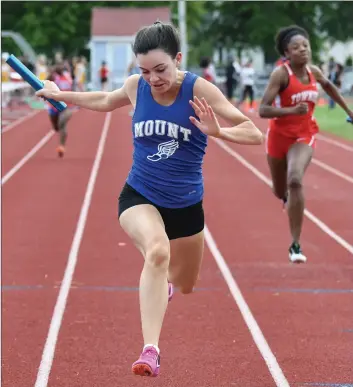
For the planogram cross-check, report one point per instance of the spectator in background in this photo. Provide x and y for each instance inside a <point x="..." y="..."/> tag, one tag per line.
<point x="335" y="77"/>
<point x="67" y="65"/>
<point x="213" y="71"/>
<point x="42" y="70"/>
<point x="208" y="70"/>
<point x="80" y="73"/>
<point x="330" y="66"/>
<point x="236" y="64"/>
<point x="58" y="57"/>
<point x="5" y="77"/>
<point x="247" y="76"/>
<point x="73" y="62"/>
<point x="5" y="68"/>
<point x="132" y="68"/>
<point x="103" y="76"/>
<point x="27" y="63"/>
<point x="233" y="70"/>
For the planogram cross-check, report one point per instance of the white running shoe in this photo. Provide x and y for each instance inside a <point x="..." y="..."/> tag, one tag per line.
<point x="295" y="253"/>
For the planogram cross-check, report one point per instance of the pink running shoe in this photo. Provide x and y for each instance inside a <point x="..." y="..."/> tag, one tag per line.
<point x="148" y="363"/>
<point x="170" y="291"/>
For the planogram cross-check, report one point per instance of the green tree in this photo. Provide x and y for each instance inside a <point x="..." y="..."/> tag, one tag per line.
<point x="243" y="25"/>
<point x="335" y="19"/>
<point x="52" y="25"/>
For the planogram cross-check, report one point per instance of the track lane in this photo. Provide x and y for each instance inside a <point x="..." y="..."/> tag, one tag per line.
<point x="303" y="310"/>
<point x="204" y="340"/>
<point x="40" y="209"/>
<point x="323" y="189"/>
<point x="20" y="140"/>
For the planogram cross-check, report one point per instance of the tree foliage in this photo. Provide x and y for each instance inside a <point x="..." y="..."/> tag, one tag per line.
<point x="52" y="25"/>
<point x="244" y="25"/>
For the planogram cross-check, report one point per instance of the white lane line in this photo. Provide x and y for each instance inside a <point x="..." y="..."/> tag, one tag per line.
<point x="55" y="324"/>
<point x="333" y="170"/>
<point x="30" y="154"/>
<point x="245" y="311"/>
<point x="267" y="181"/>
<point x="20" y="121"/>
<point x="334" y="142"/>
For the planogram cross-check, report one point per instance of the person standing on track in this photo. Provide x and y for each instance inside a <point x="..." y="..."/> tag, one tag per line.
<point x="59" y="120"/>
<point x="233" y="71"/>
<point x="247" y="75"/>
<point x="291" y="134"/>
<point x="103" y="75"/>
<point x="160" y="206"/>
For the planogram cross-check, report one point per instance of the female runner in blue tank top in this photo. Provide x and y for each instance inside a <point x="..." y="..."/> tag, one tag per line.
<point x="160" y="206"/>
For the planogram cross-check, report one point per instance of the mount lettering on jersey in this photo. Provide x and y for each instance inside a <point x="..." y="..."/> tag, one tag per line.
<point x="161" y="128"/>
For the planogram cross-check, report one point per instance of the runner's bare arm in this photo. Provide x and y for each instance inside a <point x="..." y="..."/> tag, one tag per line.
<point x="330" y="89"/>
<point x="276" y="83"/>
<point x="93" y="100"/>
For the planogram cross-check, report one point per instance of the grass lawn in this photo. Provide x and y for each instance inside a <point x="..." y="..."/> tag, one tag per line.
<point x="334" y="121"/>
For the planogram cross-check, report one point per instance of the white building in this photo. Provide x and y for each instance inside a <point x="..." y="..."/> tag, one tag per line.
<point x="112" y="34"/>
<point x="339" y="51"/>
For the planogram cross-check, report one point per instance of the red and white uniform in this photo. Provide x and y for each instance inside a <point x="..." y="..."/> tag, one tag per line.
<point x="285" y="131"/>
<point x="64" y="82"/>
<point x="104" y="73"/>
<point x="209" y="74"/>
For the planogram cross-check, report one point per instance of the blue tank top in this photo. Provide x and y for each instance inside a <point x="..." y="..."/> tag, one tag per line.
<point x="168" y="148"/>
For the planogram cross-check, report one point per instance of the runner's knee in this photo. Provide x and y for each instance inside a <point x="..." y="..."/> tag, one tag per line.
<point x="158" y="253"/>
<point x="294" y="180"/>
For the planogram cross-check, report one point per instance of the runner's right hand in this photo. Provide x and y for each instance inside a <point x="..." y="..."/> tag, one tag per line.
<point x="300" y="109"/>
<point x="50" y="90"/>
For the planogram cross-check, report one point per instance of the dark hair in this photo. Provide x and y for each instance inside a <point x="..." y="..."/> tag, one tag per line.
<point x="284" y="35"/>
<point x="159" y="35"/>
<point x="205" y="62"/>
<point x="340" y="68"/>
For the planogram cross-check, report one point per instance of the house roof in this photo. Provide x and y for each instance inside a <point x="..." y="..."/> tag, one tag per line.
<point x="125" y="21"/>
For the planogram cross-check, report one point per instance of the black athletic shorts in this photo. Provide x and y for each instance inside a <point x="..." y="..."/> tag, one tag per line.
<point x="179" y="222"/>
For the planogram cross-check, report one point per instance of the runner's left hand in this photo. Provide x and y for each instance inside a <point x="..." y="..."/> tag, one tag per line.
<point x="207" y="122"/>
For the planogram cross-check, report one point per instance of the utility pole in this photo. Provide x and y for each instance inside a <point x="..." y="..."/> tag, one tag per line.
<point x="183" y="33"/>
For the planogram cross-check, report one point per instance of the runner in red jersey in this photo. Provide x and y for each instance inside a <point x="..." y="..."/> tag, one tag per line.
<point x="292" y="129"/>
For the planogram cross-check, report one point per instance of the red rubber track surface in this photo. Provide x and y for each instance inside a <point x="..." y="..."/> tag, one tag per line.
<point x="22" y="138"/>
<point x="9" y="116"/>
<point x="304" y="311"/>
<point x="40" y="208"/>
